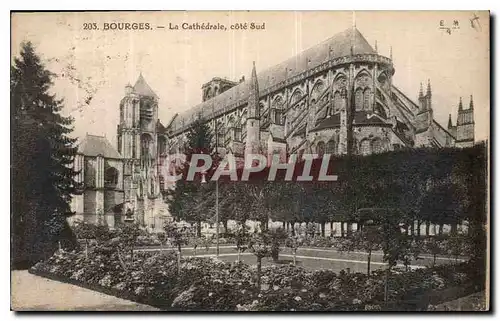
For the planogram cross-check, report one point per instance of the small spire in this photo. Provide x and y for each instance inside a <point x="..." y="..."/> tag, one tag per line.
<point x="376" y="47"/>
<point x="471" y="104"/>
<point x="253" y="98"/>
<point x="421" y="92"/>
<point x="429" y="91"/>
<point x="460" y="107"/>
<point x="450" y="124"/>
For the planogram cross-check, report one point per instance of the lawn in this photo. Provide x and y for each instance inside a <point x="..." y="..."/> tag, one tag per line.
<point x="310" y="258"/>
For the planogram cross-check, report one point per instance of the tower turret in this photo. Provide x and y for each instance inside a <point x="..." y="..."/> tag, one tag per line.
<point x="465" y="125"/>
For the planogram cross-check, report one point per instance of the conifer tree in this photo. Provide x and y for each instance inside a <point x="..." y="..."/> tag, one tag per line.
<point x="42" y="159"/>
<point x="190" y="200"/>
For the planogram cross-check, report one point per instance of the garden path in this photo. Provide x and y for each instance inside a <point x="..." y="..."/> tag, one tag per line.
<point x="34" y="293"/>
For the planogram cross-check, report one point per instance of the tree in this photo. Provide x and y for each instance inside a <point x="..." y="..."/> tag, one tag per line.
<point x="242" y="237"/>
<point x="191" y="200"/>
<point x="129" y="234"/>
<point x="42" y="161"/>
<point x="368" y="239"/>
<point x="178" y="235"/>
<point x="260" y="246"/>
<point x="277" y="238"/>
<point x="294" y="241"/>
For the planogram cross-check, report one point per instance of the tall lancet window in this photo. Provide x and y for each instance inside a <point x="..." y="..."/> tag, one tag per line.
<point x="337" y="102"/>
<point x="278" y="112"/>
<point x="331" y="147"/>
<point x="359" y="99"/>
<point x="221" y="134"/>
<point x="146" y="141"/>
<point x="367" y="98"/>
<point x="237" y="133"/>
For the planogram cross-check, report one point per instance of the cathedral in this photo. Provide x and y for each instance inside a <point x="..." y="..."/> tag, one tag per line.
<point x="304" y="105"/>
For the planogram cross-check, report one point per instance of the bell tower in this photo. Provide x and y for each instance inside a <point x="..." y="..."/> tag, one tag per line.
<point x="137" y="143"/>
<point x="465" y="125"/>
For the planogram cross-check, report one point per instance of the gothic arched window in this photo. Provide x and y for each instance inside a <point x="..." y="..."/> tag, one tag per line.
<point x="365" y="147"/>
<point x="337" y="102"/>
<point x="278" y="111"/>
<point x="221" y="134"/>
<point x="162" y="183"/>
<point x="146" y="141"/>
<point x="111" y="177"/>
<point x="297" y="94"/>
<point x="359" y="99"/>
<point x="317" y="90"/>
<point x="331" y="147"/>
<point x="366" y="99"/>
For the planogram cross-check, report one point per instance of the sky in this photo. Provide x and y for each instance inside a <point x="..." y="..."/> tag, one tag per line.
<point x="94" y="66"/>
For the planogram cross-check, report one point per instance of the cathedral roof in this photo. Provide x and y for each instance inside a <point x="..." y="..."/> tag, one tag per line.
<point x="142" y="88"/>
<point x="337" y="46"/>
<point x="93" y="145"/>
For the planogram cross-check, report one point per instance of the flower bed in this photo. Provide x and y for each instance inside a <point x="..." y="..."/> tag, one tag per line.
<point x="206" y="284"/>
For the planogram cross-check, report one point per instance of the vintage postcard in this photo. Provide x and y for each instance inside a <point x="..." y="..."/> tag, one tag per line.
<point x="250" y="161"/>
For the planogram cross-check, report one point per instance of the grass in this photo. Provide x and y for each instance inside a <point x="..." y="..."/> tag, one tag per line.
<point x="309" y="258"/>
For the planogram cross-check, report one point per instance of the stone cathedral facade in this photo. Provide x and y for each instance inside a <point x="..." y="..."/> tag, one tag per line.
<point x="300" y="106"/>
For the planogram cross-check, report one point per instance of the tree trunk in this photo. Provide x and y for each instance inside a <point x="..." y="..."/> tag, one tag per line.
<point x="440" y="229"/>
<point x="284" y="225"/>
<point x="179" y="247"/>
<point x="293" y="228"/>
<point x="198" y="229"/>
<point x="342" y="231"/>
<point x="259" y="269"/>
<point x="331" y="229"/>
<point x="386" y="286"/>
<point x="454" y="229"/>
<point x="294" y="256"/>
<point x="369" y="261"/>
<point x="224" y="222"/>
<point x="179" y="262"/>
<point x="419" y="223"/>
<point x="323" y="229"/>
<point x="413" y="228"/>
<point x="427" y="228"/>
